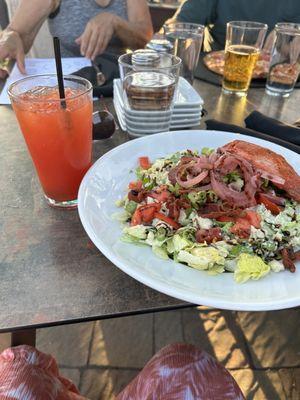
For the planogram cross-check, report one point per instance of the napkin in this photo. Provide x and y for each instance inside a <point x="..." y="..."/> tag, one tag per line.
<point x="260" y="122"/>
<point x="108" y="65"/>
<point x="221" y="126"/>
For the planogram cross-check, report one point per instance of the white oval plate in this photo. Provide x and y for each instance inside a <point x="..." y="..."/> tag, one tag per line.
<point x="107" y="181"/>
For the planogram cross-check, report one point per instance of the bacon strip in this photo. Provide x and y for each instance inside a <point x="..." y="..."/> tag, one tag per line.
<point x="288" y="257"/>
<point x="208" y="235"/>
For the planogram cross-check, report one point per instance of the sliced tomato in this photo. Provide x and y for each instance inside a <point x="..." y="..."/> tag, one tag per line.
<point x="253" y="218"/>
<point x="149" y="211"/>
<point x="167" y="220"/>
<point x="226" y="218"/>
<point x="138" y="185"/>
<point x="144" y="162"/>
<point x="274" y="208"/>
<point x="136" y="218"/>
<point x="148" y="214"/>
<point x="145" y="214"/>
<point x="241" y="228"/>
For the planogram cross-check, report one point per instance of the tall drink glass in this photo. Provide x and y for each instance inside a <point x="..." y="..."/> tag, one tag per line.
<point x="244" y="41"/>
<point x="187" y="42"/>
<point x="285" y="60"/>
<point x="58" y="133"/>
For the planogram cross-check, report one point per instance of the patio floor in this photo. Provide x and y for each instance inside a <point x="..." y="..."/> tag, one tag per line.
<point x="261" y="350"/>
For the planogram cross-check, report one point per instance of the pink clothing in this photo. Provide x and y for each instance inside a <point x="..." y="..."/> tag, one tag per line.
<point x="177" y="372"/>
<point x="28" y="374"/>
<point x="182" y="372"/>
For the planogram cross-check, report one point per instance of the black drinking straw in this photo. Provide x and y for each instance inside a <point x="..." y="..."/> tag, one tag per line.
<point x="59" y="71"/>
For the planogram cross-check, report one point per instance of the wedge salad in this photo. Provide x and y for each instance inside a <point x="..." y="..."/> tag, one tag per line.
<point x="216" y="210"/>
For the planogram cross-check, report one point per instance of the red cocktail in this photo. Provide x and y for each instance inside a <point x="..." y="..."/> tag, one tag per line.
<point x="58" y="133"/>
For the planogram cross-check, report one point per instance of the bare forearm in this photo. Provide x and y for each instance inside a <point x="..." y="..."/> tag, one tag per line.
<point x="132" y="34"/>
<point x="28" y="19"/>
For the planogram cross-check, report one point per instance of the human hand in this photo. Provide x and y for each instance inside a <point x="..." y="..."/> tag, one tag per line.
<point x="96" y="36"/>
<point x="11" y="47"/>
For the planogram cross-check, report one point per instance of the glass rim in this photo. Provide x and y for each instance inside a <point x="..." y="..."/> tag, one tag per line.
<point x="191" y="24"/>
<point x="125" y="64"/>
<point x="248" y="25"/>
<point x="288" y="27"/>
<point x="31" y="77"/>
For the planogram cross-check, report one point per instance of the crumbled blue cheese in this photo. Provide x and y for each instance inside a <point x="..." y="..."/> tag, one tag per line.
<point x="256" y="233"/>
<point x="237" y="184"/>
<point x="276" y="266"/>
<point x="202" y="223"/>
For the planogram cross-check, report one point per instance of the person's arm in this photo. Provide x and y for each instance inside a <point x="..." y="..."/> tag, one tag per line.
<point x="28" y="19"/>
<point x="133" y="33"/>
<point x="138" y="30"/>
<point x="16" y="40"/>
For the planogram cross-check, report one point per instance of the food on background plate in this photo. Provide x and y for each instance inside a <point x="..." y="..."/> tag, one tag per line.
<point x="233" y="209"/>
<point x="215" y="62"/>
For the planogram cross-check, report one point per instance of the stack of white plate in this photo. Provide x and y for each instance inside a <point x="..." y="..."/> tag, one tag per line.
<point x="186" y="112"/>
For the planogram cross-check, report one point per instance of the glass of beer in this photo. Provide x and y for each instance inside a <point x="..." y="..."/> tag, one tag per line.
<point x="244" y="40"/>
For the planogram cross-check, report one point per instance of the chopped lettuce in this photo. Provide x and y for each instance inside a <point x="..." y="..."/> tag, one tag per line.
<point x="136" y="232"/>
<point x="131" y="206"/>
<point x="203" y="258"/>
<point x="231" y="177"/>
<point x="207" y="151"/>
<point x="250" y="267"/>
<point x="198" y="198"/>
<point x="161" y="252"/>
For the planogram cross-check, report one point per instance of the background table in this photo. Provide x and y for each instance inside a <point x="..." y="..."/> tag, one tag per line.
<point x="51" y="273"/>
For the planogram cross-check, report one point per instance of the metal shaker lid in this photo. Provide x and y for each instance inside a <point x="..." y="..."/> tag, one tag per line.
<point x="160" y="45"/>
<point x="145" y="57"/>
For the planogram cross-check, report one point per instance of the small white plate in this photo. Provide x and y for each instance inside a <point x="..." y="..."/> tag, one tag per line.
<point x="146" y="131"/>
<point x="162" y="125"/>
<point x="107" y="180"/>
<point x="187" y="96"/>
<point x="187" y="124"/>
<point x="120" y="115"/>
<point x="150" y="118"/>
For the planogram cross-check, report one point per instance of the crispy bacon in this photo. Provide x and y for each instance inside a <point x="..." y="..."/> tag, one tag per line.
<point x="212" y="210"/>
<point x="208" y="235"/>
<point x="288" y="258"/>
<point x="137" y="196"/>
<point x="280" y="201"/>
